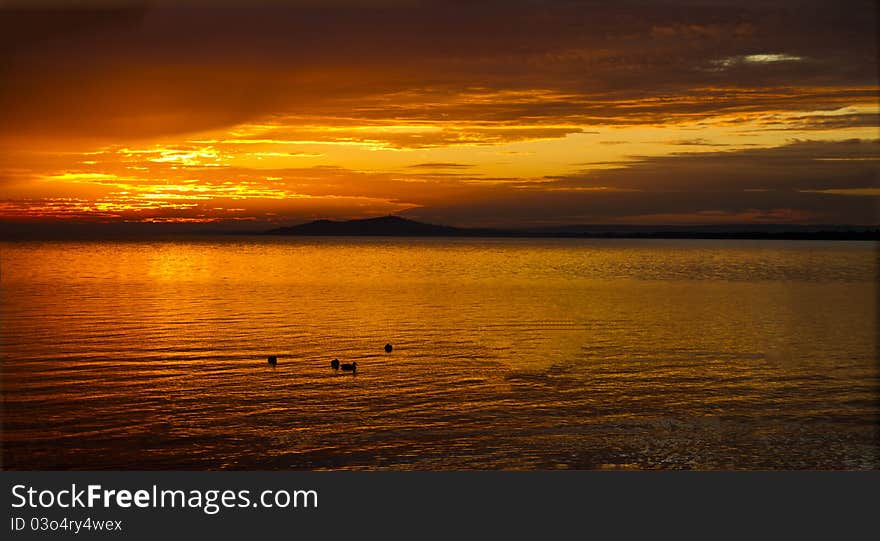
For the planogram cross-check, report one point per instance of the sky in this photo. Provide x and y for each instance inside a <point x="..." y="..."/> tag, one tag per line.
<point x="497" y="113"/>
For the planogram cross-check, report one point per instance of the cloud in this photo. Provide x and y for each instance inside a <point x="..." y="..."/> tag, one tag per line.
<point x="147" y="70"/>
<point x="813" y="165"/>
<point x="809" y="181"/>
<point x="283" y="111"/>
<point x="823" y="122"/>
<point x="804" y="181"/>
<point x="696" y="142"/>
<point x="773" y="58"/>
<point x="441" y="165"/>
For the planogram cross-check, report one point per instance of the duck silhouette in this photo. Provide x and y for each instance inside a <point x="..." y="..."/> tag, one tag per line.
<point x="350" y="367"/>
<point x="388" y="348"/>
<point x="334" y="364"/>
<point x="273" y="360"/>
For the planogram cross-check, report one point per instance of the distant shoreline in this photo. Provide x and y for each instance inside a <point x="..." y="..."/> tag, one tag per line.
<point x="395" y="226"/>
<point x="821" y="235"/>
<point x="399" y="227"/>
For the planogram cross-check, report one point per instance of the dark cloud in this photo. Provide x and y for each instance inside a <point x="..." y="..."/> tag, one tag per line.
<point x="824" y="122"/>
<point x="696" y="142"/>
<point x="800" y="165"/>
<point x="440" y="165"/>
<point x="485" y="73"/>
<point x="560" y="208"/>
<point x="805" y="181"/>
<point x="151" y="69"/>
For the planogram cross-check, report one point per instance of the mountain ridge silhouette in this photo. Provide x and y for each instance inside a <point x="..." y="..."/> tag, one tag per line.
<point x="398" y="226"/>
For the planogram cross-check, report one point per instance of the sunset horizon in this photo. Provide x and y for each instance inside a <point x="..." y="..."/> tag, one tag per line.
<point x="494" y="114"/>
<point x="421" y="235"/>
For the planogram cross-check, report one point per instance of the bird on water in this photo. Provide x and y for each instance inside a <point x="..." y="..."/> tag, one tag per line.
<point x="273" y="360"/>
<point x="350" y="367"/>
<point x="334" y="364"/>
<point x="388" y="348"/>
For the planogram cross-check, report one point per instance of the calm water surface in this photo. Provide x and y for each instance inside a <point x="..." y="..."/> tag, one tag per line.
<point x="508" y="353"/>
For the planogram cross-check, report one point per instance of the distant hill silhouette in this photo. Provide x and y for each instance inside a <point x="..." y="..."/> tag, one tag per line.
<point x="396" y="226"/>
<point x="392" y="226"/>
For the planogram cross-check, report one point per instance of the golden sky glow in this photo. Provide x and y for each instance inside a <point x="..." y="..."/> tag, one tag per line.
<point x="265" y="114"/>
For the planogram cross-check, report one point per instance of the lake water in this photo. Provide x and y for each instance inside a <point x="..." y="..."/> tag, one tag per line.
<point x="508" y="353"/>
